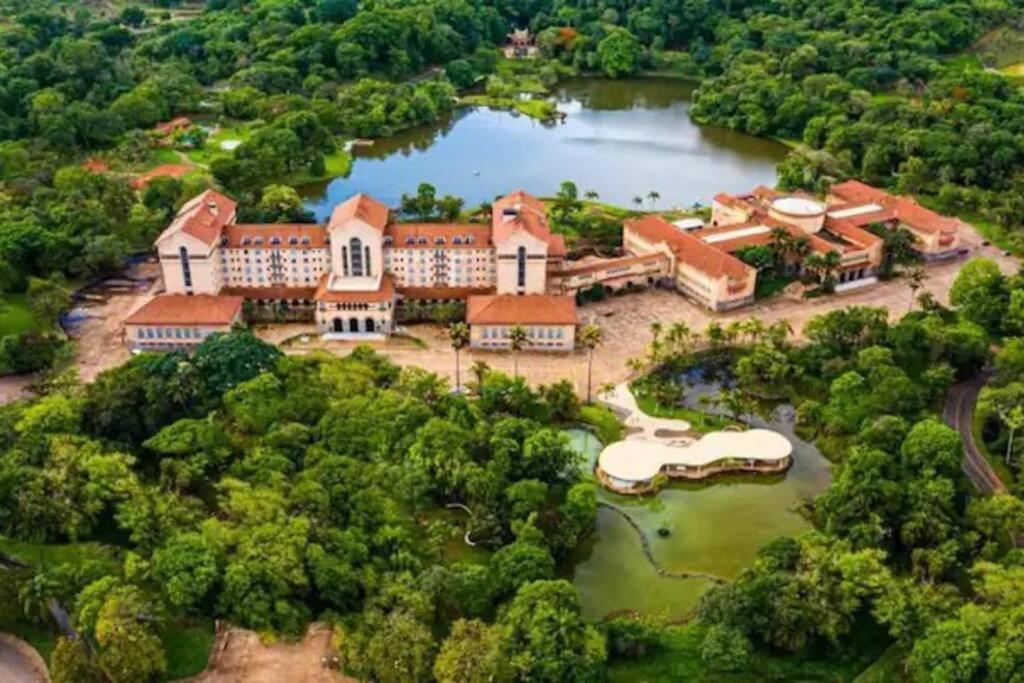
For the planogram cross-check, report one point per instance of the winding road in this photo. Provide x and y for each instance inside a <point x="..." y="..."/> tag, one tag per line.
<point x="958" y="414"/>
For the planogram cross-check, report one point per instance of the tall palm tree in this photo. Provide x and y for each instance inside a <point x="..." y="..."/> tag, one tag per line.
<point x="480" y="370"/>
<point x="591" y="195"/>
<point x="638" y="200"/>
<point x="517" y="337"/>
<point x="458" y="334"/>
<point x="915" y="278"/>
<point x="1014" y="420"/>
<point x="654" y="196"/>
<point x="714" y="334"/>
<point x="829" y="266"/>
<point x="591" y="337"/>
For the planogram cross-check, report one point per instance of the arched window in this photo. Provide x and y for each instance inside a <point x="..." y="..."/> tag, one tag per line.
<point x="344" y="261"/>
<point x="369" y="271"/>
<point x="521" y="262"/>
<point x="355" y="252"/>
<point x="186" y="269"/>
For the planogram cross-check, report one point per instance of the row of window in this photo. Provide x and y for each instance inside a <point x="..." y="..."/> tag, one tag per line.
<point x="172" y="333"/>
<point x="533" y="333"/>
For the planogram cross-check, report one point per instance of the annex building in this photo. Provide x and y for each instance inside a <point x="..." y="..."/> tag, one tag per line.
<point x="352" y="274"/>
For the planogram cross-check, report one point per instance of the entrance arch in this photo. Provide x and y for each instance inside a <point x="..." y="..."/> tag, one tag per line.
<point x="370" y="325"/>
<point x="339" y="325"/>
<point x="353" y="324"/>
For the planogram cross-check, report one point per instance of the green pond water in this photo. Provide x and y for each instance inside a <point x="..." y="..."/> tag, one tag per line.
<point x="716" y="528"/>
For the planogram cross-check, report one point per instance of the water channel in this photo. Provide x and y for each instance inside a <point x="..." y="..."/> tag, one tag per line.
<point x="622" y="139"/>
<point x="715" y="527"/>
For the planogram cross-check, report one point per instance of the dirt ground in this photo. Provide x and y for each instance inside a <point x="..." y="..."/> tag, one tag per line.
<point x="240" y="657"/>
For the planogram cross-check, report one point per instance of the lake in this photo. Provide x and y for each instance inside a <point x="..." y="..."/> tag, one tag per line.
<point x="621" y="139"/>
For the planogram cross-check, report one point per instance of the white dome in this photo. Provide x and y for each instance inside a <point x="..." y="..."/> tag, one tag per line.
<point x="801" y="207"/>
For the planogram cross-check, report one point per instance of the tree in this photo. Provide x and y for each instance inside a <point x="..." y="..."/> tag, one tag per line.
<point x="638" y="201"/>
<point x="458" y="334"/>
<point x="519" y="563"/>
<point x="280" y="204"/>
<point x="653" y="196"/>
<point x="400" y="650"/>
<point x="980" y="292"/>
<point x="224" y="361"/>
<point x="130" y="650"/>
<point x="915" y="280"/>
<point x="48" y="300"/>
<point x="1014" y="420"/>
<point x="70" y="662"/>
<point x="546" y="637"/>
<point x="472" y="653"/>
<point x="619" y="53"/>
<point x="517" y="338"/>
<point x="187" y="569"/>
<point x="591" y="337"/>
<point x="725" y="648"/>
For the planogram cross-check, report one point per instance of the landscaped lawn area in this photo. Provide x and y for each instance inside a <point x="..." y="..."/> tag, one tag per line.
<point x="212" y="149"/>
<point x="679" y="660"/>
<point x="607" y="426"/>
<point x="53" y="554"/>
<point x="15" y="315"/>
<point x="187" y="644"/>
<point x="699" y="421"/>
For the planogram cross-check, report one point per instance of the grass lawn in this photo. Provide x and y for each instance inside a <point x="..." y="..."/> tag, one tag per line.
<point x="768" y="285"/>
<point x="15" y="315"/>
<point x="679" y="660"/>
<point x="606" y="424"/>
<point x="212" y="149"/>
<point x="187" y="643"/>
<point x="699" y="422"/>
<point x="537" y="109"/>
<point x="53" y="554"/>
<point x="886" y="669"/>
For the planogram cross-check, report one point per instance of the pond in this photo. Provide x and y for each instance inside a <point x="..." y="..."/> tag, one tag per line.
<point x="715" y="528"/>
<point x="621" y="139"/>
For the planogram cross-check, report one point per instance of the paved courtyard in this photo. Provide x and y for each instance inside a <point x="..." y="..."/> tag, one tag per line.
<point x="626" y="321"/>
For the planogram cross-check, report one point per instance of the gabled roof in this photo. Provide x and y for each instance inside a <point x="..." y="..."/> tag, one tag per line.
<point x="905" y="209"/>
<point x="182" y="309"/>
<point x="203" y="217"/>
<point x="385" y="291"/>
<point x="688" y="249"/>
<point x="526" y="309"/>
<point x="520" y="210"/>
<point x="365" y="208"/>
<point x="290" y="235"/>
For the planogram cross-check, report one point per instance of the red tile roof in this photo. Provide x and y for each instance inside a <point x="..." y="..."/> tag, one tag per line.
<point x="527" y="309"/>
<point x="363" y="207"/>
<point x="401" y="233"/>
<point x="384" y="292"/>
<point x="687" y="248"/>
<point x="173" y="126"/>
<point x="182" y="309"/>
<point x="203" y="217"/>
<point x="520" y="210"/>
<point x="906" y="209"/>
<point x="306" y="235"/>
<point x="605" y="264"/>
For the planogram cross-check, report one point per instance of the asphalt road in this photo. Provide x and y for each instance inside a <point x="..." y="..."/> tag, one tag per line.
<point x="958" y="414"/>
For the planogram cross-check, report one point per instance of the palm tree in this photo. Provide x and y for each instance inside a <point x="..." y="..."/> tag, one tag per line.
<point x="590" y="338"/>
<point x="517" y="337"/>
<point x="1014" y="420"/>
<point x="654" y="196"/>
<point x="829" y="265"/>
<point x="638" y="200"/>
<point x="591" y="195"/>
<point x="714" y="334"/>
<point x="480" y="370"/>
<point x="915" y="278"/>
<point x="458" y="333"/>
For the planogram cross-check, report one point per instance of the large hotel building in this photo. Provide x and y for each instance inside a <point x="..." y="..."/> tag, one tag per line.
<point x="349" y="275"/>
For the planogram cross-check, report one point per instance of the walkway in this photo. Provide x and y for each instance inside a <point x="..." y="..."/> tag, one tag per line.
<point x="19" y="662"/>
<point x="958" y="413"/>
<point x="639" y="424"/>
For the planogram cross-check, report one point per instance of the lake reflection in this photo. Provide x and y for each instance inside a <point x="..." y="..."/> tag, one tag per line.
<point x="622" y="139"/>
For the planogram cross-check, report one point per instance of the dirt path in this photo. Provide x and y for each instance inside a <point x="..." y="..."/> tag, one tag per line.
<point x="239" y="657"/>
<point x="19" y="663"/>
